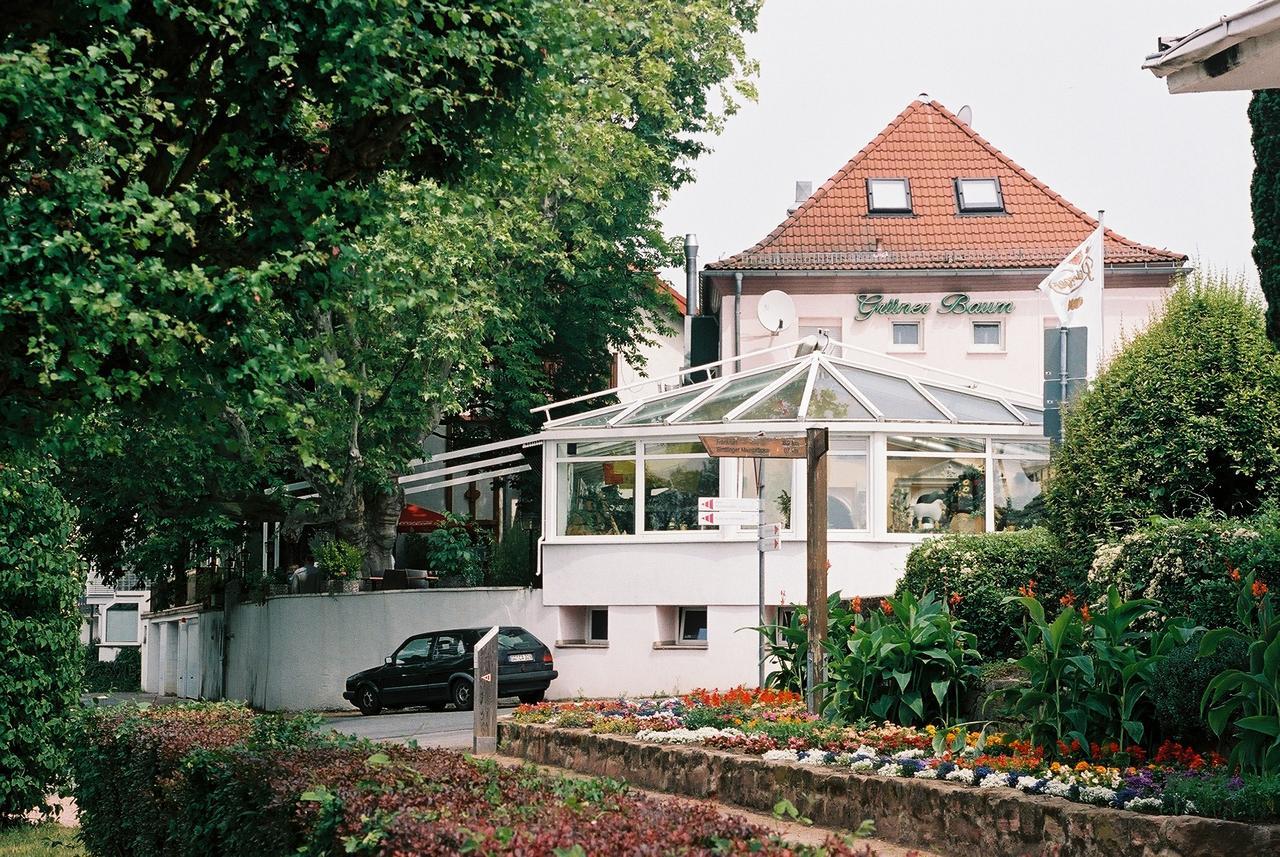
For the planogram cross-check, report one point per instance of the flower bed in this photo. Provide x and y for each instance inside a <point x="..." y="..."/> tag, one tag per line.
<point x="218" y="779"/>
<point x="773" y="725"/>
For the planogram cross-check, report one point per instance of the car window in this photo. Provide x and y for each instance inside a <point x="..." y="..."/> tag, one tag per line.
<point x="517" y="638"/>
<point x="449" y="646"/>
<point x="415" y="651"/>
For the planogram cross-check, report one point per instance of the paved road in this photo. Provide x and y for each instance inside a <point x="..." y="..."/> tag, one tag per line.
<point x="431" y="729"/>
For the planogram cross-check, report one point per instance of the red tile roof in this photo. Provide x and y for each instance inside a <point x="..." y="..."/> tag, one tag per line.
<point x="929" y="145"/>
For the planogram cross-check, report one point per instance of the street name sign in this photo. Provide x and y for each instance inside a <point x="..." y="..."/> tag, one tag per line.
<point x="769" y="531"/>
<point x="755" y="446"/>
<point x="769" y="543"/>
<point x="728" y="504"/>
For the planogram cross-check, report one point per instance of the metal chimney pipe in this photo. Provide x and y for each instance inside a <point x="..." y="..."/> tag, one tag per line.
<point x="690" y="293"/>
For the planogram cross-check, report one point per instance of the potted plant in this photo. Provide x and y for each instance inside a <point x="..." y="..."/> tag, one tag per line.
<point x="341" y="562"/>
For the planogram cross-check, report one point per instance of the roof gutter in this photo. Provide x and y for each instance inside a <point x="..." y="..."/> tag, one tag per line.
<point x="1123" y="267"/>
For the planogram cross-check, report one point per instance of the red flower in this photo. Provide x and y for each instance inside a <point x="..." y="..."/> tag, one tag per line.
<point x="1068" y="600"/>
<point x="886" y="607"/>
<point x="1235" y="573"/>
<point x="1028" y="591"/>
<point x="1259" y="589"/>
<point x="1084" y="613"/>
<point x="955" y="599"/>
<point x="856" y="604"/>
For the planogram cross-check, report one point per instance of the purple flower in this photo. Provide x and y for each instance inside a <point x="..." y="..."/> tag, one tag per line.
<point x="1235" y="783"/>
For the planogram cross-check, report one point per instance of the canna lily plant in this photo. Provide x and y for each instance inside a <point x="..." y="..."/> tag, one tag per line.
<point x="1249" y="699"/>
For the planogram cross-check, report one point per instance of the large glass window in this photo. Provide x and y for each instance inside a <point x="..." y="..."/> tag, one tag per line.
<point x="888" y="196"/>
<point x="933" y="487"/>
<point x="675" y="476"/>
<point x="122" y="624"/>
<point x="1019" y="473"/>
<point x="779" y="486"/>
<point x="596" y="490"/>
<point x="846" y="491"/>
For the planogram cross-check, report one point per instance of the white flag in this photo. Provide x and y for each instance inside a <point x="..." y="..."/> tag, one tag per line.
<point x="1075" y="290"/>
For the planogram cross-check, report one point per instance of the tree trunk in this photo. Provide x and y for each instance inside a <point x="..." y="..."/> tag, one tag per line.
<point x="382" y="513"/>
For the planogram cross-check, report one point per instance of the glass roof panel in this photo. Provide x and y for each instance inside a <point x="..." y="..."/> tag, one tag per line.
<point x="895" y="398"/>
<point x="659" y="409"/>
<point x="971" y="409"/>
<point x="782" y="404"/>
<point x="1035" y="417"/>
<point x="592" y="418"/>
<point x="732" y="394"/>
<point x="831" y="401"/>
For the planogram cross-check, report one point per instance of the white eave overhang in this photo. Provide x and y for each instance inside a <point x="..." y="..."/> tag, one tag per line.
<point x="1237" y="52"/>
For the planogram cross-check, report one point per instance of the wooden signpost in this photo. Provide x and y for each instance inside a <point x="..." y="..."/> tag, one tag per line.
<point x="485" y="696"/>
<point x="811" y="446"/>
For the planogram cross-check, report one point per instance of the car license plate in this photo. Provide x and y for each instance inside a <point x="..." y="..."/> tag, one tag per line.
<point x="518" y="658"/>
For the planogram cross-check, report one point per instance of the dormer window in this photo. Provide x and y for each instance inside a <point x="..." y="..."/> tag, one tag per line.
<point x="979" y="196"/>
<point x="888" y="196"/>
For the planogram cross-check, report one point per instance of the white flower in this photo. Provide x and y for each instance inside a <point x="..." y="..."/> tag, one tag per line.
<point x="1027" y="783"/>
<point x="961" y="775"/>
<point x="908" y="754"/>
<point x="813" y="757"/>
<point x="1190" y="809"/>
<point x="926" y="774"/>
<point x="889" y="769"/>
<point x="1145" y="804"/>
<point x="994" y="781"/>
<point x="862" y="765"/>
<point x="1058" y="788"/>
<point x="864" y="750"/>
<point x="781" y="756"/>
<point x="687" y="736"/>
<point x="1099" y="795"/>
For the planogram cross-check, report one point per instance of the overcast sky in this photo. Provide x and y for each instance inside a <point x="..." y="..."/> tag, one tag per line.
<point x="1058" y="87"/>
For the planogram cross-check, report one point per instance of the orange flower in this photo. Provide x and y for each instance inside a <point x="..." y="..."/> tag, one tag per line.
<point x="1235" y="574"/>
<point x="886" y="607"/>
<point x="1028" y="591"/>
<point x="955" y="599"/>
<point x="1084" y="613"/>
<point x="1068" y="600"/>
<point x="1259" y="589"/>
<point x="856" y="604"/>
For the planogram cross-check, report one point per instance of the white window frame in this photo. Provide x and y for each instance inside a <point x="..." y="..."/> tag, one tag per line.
<point x="963" y="208"/>
<point x="984" y="347"/>
<point x="917" y="347"/>
<point x="679" y="635"/>
<point x="873" y="209"/>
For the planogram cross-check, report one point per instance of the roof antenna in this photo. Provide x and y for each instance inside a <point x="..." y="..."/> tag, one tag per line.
<point x="966" y="115"/>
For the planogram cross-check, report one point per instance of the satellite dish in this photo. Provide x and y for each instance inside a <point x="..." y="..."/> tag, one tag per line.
<point x="965" y="115"/>
<point x="776" y="311"/>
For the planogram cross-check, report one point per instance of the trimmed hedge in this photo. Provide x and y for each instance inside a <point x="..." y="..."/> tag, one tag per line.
<point x="124" y="673"/>
<point x="983" y="570"/>
<point x="40" y="667"/>
<point x="215" y="779"/>
<point x="1187" y="565"/>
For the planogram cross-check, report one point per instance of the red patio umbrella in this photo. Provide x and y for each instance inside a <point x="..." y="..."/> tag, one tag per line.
<point x="415" y="519"/>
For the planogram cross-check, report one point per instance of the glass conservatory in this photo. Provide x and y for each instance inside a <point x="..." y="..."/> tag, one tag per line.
<point x="913" y="452"/>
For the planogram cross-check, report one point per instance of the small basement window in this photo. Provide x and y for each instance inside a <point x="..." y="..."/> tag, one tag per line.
<point x="888" y="196"/>
<point x="693" y="625"/>
<point x="906" y="335"/>
<point x="979" y="196"/>
<point x="598" y="625"/>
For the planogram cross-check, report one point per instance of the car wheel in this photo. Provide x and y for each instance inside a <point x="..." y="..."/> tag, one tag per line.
<point x="462" y="695"/>
<point x="369" y="701"/>
<point x="533" y="697"/>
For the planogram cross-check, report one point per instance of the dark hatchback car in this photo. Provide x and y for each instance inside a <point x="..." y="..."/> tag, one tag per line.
<point x="435" y="669"/>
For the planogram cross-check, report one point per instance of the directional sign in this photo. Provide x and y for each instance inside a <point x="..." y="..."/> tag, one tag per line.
<point x="487" y="677"/>
<point x="726" y="519"/>
<point x="772" y="543"/>
<point x="755" y="446"/>
<point x="769" y="531"/>
<point x="728" y="504"/>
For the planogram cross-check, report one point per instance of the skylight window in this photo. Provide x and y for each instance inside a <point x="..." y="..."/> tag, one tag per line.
<point x="979" y="195"/>
<point x="888" y="196"/>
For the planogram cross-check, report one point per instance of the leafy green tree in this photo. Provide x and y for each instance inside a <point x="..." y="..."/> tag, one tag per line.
<point x="1264" y="116"/>
<point x="1186" y="419"/>
<point x="170" y="173"/>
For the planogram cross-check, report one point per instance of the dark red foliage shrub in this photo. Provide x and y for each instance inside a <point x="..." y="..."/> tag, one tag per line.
<point x="217" y="780"/>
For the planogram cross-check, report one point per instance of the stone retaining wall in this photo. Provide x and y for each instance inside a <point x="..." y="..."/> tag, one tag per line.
<point x="940" y="816"/>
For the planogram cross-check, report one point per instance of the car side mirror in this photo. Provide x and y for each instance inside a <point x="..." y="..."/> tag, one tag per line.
<point x="388" y="660"/>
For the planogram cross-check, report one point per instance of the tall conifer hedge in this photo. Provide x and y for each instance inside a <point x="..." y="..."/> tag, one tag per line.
<point x="1264" y="116"/>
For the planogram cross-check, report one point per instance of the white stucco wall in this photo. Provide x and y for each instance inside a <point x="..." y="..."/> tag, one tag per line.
<point x="294" y="652"/>
<point x="946" y="338"/>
